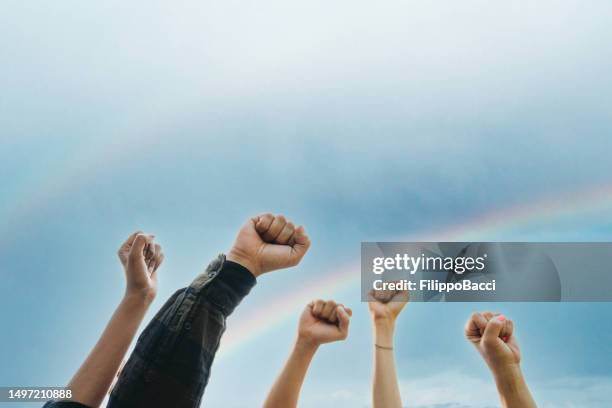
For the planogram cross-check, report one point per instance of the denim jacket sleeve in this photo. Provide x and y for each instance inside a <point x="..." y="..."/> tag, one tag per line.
<point x="170" y="365"/>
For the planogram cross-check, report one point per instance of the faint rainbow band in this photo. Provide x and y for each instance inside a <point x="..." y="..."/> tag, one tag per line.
<point x="256" y="323"/>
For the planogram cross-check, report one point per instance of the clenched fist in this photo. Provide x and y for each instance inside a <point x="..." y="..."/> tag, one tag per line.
<point x="324" y="322"/>
<point x="267" y="242"/>
<point x="386" y="304"/>
<point x="140" y="257"/>
<point x="493" y="336"/>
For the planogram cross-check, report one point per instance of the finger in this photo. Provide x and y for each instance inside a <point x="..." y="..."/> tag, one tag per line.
<point x="334" y="317"/>
<point x="275" y="229"/>
<point x="491" y="333"/>
<point x="158" y="261"/>
<point x="137" y="250"/>
<point x="487" y="315"/>
<point x="318" y="307"/>
<point x="124" y="249"/>
<point x="383" y="296"/>
<point x="154" y="258"/>
<point x="328" y="309"/>
<point x="150" y="255"/>
<point x="150" y="247"/>
<point x="285" y="234"/>
<point x="475" y="325"/>
<point x="402" y="296"/>
<point x="132" y="237"/>
<point x="343" y="322"/>
<point x="291" y="240"/>
<point x="302" y="243"/>
<point x="507" y="331"/>
<point x="480" y="322"/>
<point x="503" y="335"/>
<point x="264" y="222"/>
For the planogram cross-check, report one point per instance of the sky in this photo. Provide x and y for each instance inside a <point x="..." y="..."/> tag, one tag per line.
<point x="364" y="122"/>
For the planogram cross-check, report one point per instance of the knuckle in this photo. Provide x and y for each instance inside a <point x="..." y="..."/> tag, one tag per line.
<point x="265" y="220"/>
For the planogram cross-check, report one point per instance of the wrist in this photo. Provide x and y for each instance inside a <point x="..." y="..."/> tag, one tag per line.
<point x="383" y="331"/>
<point x="508" y="378"/>
<point x="244" y="260"/>
<point x="304" y="345"/>
<point x="383" y="324"/>
<point x="138" y="298"/>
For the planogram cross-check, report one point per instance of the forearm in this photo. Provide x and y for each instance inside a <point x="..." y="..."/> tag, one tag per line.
<point x="385" y="388"/>
<point x="512" y="388"/>
<point x="286" y="389"/>
<point x="95" y="376"/>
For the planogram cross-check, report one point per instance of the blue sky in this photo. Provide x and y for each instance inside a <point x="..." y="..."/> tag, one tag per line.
<point x="361" y="121"/>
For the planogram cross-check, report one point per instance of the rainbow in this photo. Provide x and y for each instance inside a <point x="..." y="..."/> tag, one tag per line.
<point x="250" y="326"/>
<point x="75" y="172"/>
<point x="548" y="208"/>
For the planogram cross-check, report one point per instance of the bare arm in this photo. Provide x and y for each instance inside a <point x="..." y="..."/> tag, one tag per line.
<point x="385" y="389"/>
<point x="286" y="389"/>
<point x="384" y="307"/>
<point x="95" y="376"/>
<point x="321" y="322"/>
<point x="141" y="258"/>
<point x="512" y="388"/>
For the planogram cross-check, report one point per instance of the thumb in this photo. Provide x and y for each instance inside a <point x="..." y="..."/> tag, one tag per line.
<point x="492" y="331"/>
<point x="301" y="245"/>
<point x="343" y="321"/>
<point x="137" y="250"/>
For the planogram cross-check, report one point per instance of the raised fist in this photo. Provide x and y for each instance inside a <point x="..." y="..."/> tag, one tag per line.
<point x="387" y="304"/>
<point x="324" y="322"/>
<point x="493" y="336"/>
<point x="267" y="242"/>
<point x="140" y="257"/>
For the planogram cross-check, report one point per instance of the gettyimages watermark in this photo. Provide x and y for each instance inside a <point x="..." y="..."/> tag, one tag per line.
<point x="489" y="271"/>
